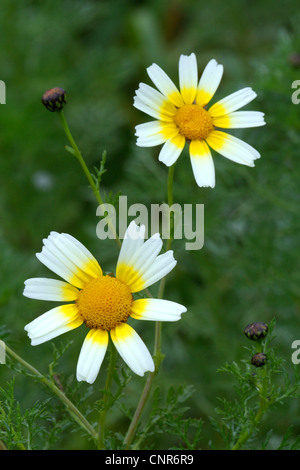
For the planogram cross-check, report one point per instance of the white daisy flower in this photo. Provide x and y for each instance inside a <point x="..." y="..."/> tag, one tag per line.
<point x="102" y="302"/>
<point x="183" y="116"/>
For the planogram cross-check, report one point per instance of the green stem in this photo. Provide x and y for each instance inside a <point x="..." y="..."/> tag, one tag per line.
<point x="158" y="332"/>
<point x="74" y="412"/>
<point x="102" y="417"/>
<point x="87" y="173"/>
<point x="263" y="406"/>
<point x="246" y="434"/>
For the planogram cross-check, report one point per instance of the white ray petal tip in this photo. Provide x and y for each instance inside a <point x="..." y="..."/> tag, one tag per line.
<point x="206" y="185"/>
<point x="191" y="55"/>
<point x="81" y="378"/>
<point x="150" y="367"/>
<point x="155" y="236"/>
<point x="25" y="291"/>
<point x="135" y="231"/>
<point x="214" y="63"/>
<point x="151" y="67"/>
<point x="165" y="162"/>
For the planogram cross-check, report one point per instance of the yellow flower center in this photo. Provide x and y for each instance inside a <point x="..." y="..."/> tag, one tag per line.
<point x="193" y="121"/>
<point x="104" y="303"/>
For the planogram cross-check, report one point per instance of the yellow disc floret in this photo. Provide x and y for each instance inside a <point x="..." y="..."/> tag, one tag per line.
<point x="104" y="303"/>
<point x="193" y="122"/>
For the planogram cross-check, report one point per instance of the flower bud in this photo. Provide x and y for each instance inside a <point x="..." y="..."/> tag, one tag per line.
<point x="54" y="99"/>
<point x="259" y="359"/>
<point x="256" y="331"/>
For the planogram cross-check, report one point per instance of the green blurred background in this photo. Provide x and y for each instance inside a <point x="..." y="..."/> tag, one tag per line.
<point x="248" y="269"/>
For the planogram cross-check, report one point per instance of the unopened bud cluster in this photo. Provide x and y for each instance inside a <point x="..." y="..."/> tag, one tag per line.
<point x="54" y="99"/>
<point x="256" y="332"/>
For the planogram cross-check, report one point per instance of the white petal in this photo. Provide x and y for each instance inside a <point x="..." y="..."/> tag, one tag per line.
<point x="202" y="164"/>
<point x="150" y="141"/>
<point x="148" y="129"/>
<point x="232" y="102"/>
<point x="91" y="355"/>
<point x="133" y="239"/>
<point x="58" y="267"/>
<point x="133" y="271"/>
<point x="155" y="133"/>
<point x="188" y="77"/>
<point x="53" y="323"/>
<point x="139" y="265"/>
<point x="240" y="119"/>
<point x="233" y="148"/>
<point x="209" y="82"/>
<point x="65" y="257"/>
<point x="162" y="265"/>
<point x="157" y="310"/>
<point x="139" y="104"/>
<point x="132" y="349"/>
<point x="77" y="252"/>
<point x="150" y="96"/>
<point x="164" y="84"/>
<point x="156" y="101"/>
<point x="49" y="289"/>
<point x="171" y="150"/>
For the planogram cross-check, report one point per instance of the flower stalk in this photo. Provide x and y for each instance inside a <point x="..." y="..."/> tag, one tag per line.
<point x="75" y="151"/>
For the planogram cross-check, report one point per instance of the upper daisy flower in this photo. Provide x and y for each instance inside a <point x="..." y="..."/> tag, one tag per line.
<point x="103" y="302"/>
<point x="183" y="116"/>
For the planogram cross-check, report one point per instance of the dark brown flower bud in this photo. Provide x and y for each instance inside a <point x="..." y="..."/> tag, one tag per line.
<point x="259" y="359"/>
<point x="256" y="331"/>
<point x="54" y="99"/>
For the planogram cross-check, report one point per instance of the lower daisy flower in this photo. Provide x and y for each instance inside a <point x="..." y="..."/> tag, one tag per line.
<point x="102" y="302"/>
<point x="182" y="116"/>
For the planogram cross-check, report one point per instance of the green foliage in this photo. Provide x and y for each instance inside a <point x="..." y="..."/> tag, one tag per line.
<point x="121" y="378"/>
<point x="42" y="425"/>
<point x="257" y="390"/>
<point x="100" y="171"/>
<point x="248" y="268"/>
<point x="169" y="416"/>
<point x="21" y="430"/>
